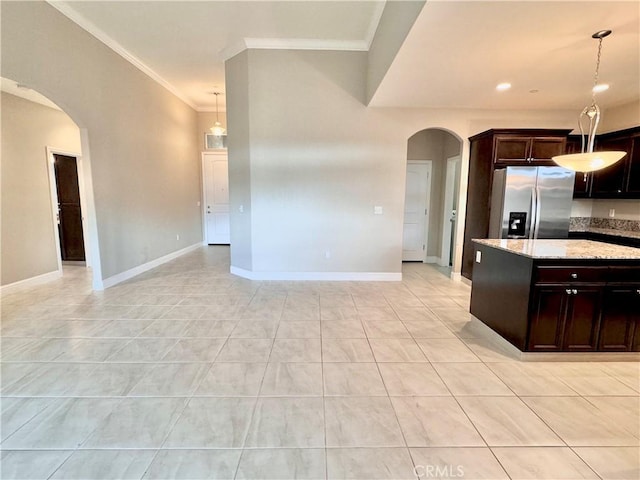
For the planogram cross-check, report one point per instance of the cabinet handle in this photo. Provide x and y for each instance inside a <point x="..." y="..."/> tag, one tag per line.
<point x="574" y="275"/>
<point x="638" y="291"/>
<point x="574" y="291"/>
<point x="568" y="290"/>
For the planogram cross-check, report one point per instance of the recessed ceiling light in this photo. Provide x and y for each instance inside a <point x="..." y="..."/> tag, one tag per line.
<point x="601" y="87"/>
<point x="503" y="86"/>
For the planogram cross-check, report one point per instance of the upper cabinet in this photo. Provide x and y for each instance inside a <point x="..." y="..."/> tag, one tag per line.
<point x="514" y="149"/>
<point x="620" y="180"/>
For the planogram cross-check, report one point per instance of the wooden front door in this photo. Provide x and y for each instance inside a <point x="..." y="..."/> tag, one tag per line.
<point x="69" y="212"/>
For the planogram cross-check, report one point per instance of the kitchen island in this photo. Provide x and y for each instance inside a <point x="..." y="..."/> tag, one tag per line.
<point x="558" y="295"/>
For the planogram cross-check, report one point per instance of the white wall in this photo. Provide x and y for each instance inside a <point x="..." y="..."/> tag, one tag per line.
<point x="142" y="145"/>
<point x="28" y="231"/>
<point x="397" y="19"/>
<point x="314" y="161"/>
<point x="620" y="117"/>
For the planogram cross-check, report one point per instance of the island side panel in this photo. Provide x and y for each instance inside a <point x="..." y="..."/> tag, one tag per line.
<point x="500" y="293"/>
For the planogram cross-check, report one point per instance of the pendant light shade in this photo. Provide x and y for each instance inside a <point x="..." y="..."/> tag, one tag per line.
<point x="588" y="160"/>
<point x="217" y="128"/>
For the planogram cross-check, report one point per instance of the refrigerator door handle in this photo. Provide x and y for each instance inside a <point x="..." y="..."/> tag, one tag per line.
<point x="538" y="208"/>
<point x="534" y="211"/>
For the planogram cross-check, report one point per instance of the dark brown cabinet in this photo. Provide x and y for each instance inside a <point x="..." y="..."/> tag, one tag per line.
<point x="620" y="180"/>
<point x="620" y="330"/>
<point x="512" y="149"/>
<point x="497" y="149"/>
<point x="549" y="305"/>
<point x="610" y="182"/>
<point x="565" y="318"/>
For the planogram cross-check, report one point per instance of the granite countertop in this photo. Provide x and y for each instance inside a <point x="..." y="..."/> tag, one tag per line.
<point x="613" y="232"/>
<point x="568" y="249"/>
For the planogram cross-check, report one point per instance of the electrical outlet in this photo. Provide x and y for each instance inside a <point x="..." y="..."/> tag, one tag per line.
<point x="478" y="256"/>
<point x="612" y="212"/>
<point x="177" y="237"/>
<point x="377" y="210"/>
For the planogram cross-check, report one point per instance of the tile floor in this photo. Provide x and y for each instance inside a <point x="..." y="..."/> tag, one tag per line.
<point x="189" y="372"/>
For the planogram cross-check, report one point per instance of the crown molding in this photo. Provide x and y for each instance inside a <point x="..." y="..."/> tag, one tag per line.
<point x="293" y="44"/>
<point x="68" y="11"/>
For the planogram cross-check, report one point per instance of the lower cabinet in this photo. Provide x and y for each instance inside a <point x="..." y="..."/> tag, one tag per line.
<point x="620" y="329"/>
<point x="565" y="318"/>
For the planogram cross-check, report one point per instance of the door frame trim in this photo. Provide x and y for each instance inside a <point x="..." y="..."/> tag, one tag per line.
<point x="449" y="193"/>
<point x="53" y="193"/>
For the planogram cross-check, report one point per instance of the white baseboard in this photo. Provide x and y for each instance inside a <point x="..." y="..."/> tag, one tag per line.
<point x="457" y="277"/>
<point x="127" y="274"/>
<point x="320" y="276"/>
<point x="31" y="282"/>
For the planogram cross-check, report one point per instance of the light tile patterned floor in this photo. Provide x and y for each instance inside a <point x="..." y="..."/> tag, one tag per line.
<point x="189" y="372"/>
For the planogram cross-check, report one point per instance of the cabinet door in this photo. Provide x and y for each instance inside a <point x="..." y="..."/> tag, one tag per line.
<point x="544" y="148"/>
<point x="511" y="149"/>
<point x="583" y="319"/>
<point x="547" y="319"/>
<point x="620" y="318"/>
<point x="610" y="182"/>
<point x="633" y="172"/>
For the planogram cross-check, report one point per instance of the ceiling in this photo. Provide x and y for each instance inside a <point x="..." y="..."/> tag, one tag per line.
<point x="185" y="43"/>
<point x="457" y="52"/>
<point x="453" y="57"/>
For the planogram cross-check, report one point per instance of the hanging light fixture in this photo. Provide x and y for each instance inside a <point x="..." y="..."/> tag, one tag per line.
<point x="217" y="128"/>
<point x="588" y="160"/>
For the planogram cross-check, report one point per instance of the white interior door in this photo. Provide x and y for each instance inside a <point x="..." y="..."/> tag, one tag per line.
<point x="416" y="211"/>
<point x="216" y="197"/>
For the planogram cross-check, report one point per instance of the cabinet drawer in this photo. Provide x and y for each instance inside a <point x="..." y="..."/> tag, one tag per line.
<point x="570" y="274"/>
<point x="624" y="275"/>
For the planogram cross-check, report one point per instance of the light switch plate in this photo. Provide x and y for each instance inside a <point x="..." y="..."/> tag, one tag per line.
<point x="377" y="210"/>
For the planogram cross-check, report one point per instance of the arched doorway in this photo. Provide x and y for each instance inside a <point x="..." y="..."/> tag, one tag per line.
<point x="46" y="190"/>
<point x="431" y="196"/>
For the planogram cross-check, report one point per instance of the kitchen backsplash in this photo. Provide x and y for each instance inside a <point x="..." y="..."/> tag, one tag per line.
<point x="582" y="224"/>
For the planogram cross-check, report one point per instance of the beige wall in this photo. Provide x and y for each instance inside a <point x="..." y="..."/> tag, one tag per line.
<point x="314" y="161"/>
<point x="142" y="142"/>
<point x="28" y="231"/>
<point x="206" y="121"/>
<point x="397" y="19"/>
<point x="239" y="148"/>
<point x="599" y="208"/>
<point x="620" y="117"/>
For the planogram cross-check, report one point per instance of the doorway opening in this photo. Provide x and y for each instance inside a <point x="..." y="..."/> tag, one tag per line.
<point x="67" y="205"/>
<point x="50" y="219"/>
<point x="433" y="197"/>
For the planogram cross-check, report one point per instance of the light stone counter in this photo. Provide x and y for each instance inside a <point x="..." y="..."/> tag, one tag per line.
<point x="614" y="233"/>
<point x="564" y="249"/>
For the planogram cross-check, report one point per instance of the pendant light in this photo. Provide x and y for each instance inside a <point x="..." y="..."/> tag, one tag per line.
<point x="217" y="128"/>
<point x="588" y="160"/>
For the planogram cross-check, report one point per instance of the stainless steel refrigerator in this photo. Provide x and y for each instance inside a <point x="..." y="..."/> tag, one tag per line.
<point x="531" y="202"/>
